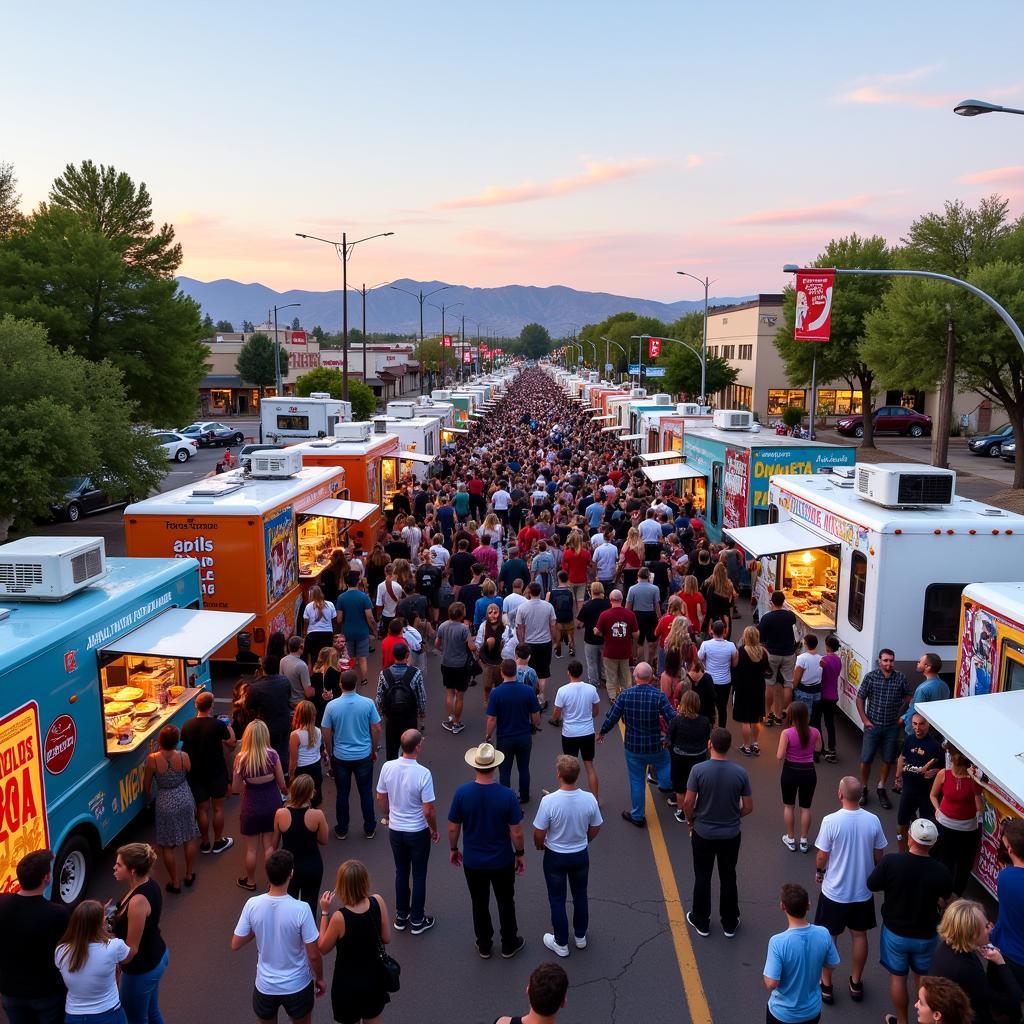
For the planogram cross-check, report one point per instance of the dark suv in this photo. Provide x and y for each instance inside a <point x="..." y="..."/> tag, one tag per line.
<point x="890" y="419"/>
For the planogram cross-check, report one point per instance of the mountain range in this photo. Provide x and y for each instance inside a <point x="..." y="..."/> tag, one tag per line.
<point x="503" y="310"/>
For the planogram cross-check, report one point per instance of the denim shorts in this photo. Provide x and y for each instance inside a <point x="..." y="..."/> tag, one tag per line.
<point x="886" y="738"/>
<point x="899" y="955"/>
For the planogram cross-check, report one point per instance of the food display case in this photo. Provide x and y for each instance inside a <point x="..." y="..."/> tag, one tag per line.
<point x="318" y="537"/>
<point x="810" y="580"/>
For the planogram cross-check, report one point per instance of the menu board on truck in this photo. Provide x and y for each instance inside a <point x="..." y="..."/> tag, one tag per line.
<point x="737" y="472"/>
<point x="23" y="825"/>
<point x="282" y="557"/>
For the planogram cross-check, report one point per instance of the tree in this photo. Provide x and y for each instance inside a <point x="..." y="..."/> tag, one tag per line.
<point x="255" y="363"/>
<point x="428" y="354"/>
<point x="248" y="326"/>
<point x="10" y="211"/>
<point x="226" y="326"/>
<point x="296" y="326"/>
<point x="64" y="416"/>
<point x="364" y="401"/>
<point x="853" y="298"/>
<point x="318" y="333"/>
<point x="682" y="372"/>
<point x="534" y="341"/>
<point x="208" y="324"/>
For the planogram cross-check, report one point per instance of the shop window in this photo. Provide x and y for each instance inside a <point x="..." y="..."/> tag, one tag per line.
<point x="779" y="398"/>
<point x="835" y="402"/>
<point x="941" y="623"/>
<point x="715" y="510"/>
<point x="858" y="589"/>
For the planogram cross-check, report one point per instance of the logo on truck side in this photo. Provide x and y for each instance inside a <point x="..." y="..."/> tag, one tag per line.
<point x="59" y="745"/>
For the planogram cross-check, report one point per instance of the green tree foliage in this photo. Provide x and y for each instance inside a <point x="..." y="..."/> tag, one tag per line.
<point x="682" y="375"/>
<point x="428" y="354"/>
<point x="534" y="341"/>
<point x="64" y="416"/>
<point x="10" y="200"/>
<point x="854" y="297"/>
<point x="296" y="326"/>
<point x="248" y="326"/>
<point x="255" y="363"/>
<point x="91" y="266"/>
<point x="208" y="325"/>
<point x="364" y="402"/>
<point x="226" y="326"/>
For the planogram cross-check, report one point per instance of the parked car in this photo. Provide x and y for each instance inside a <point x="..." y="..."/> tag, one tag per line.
<point x="244" y="456"/>
<point x="82" y="498"/>
<point x="991" y="444"/>
<point x="890" y="419"/>
<point x="178" y="447"/>
<point x="210" y="434"/>
<point x="1009" y="451"/>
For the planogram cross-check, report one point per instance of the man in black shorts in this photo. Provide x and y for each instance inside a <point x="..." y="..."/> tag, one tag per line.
<point x="918" y="764"/>
<point x="206" y="739"/>
<point x="577" y="704"/>
<point x="536" y="626"/>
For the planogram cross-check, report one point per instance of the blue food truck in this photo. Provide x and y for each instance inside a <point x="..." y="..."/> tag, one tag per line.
<point x="97" y="655"/>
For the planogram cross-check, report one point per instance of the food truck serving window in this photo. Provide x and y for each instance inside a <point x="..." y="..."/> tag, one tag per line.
<point x="293" y="422"/>
<point x="810" y="579"/>
<point x="941" y="623"/>
<point x="148" y="674"/>
<point x="388" y="479"/>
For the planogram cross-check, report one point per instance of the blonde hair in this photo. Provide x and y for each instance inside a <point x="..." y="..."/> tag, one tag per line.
<point x="352" y="883"/>
<point x="597" y="589"/>
<point x="490" y="523"/>
<point x="961" y="925"/>
<point x="305" y="718"/>
<point x="255" y="748"/>
<point x="316" y="598"/>
<point x="138" y="858"/>
<point x="488" y="589"/>
<point x="633" y="540"/>
<point x="572" y="542"/>
<point x="752" y="643"/>
<point x="691" y="585"/>
<point x="675" y="605"/>
<point x="679" y="634"/>
<point x="720" y="582"/>
<point x="689" y="704"/>
<point x="327" y="658"/>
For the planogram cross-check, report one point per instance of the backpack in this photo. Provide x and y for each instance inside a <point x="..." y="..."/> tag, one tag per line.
<point x="563" y="602"/>
<point x="398" y="701"/>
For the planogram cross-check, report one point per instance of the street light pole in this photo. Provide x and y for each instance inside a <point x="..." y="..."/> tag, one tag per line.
<point x="706" y="282"/>
<point x="278" y="383"/>
<point x="609" y="341"/>
<point x="972" y="108"/>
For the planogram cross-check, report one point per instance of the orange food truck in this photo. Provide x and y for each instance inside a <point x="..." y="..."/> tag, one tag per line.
<point x="260" y="538"/>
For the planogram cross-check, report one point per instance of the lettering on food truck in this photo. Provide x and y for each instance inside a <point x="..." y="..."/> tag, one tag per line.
<point x="130" y="786"/>
<point x="124" y="622"/>
<point x="202" y="549"/>
<point x="828" y="522"/>
<point x="23" y="825"/>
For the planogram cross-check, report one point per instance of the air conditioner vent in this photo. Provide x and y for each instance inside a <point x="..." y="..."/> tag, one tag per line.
<point x="86" y="565"/>
<point x="893" y="485"/>
<point x="50" y="568"/>
<point x="275" y="465"/>
<point x="662" y="399"/>
<point x="733" y="419"/>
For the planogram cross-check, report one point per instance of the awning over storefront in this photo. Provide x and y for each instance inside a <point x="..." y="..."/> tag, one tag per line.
<point x="454" y="430"/>
<point x="416" y="457"/>
<point x="776" y="538"/>
<point x="182" y="633"/>
<point x="335" y="508"/>
<point x="215" y="381"/>
<point x="676" y="471"/>
<point x="650" y="458"/>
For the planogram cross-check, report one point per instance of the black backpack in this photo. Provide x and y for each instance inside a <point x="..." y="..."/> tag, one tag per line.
<point x="562" y="600"/>
<point x="399" y="701"/>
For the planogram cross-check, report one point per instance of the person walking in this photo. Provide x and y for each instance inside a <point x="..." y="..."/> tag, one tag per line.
<point x="959" y="806"/>
<point x="718" y="797"/>
<point x="562" y="599"/>
<point x="31" y="988"/>
<point x="593" y="643"/>
<point x="268" y="698"/>
<point x="305" y="747"/>
<point x="688" y="736"/>
<point x="405" y="793"/>
<point x="778" y="634"/>
<point x="401" y="699"/>
<point x="1008" y="933"/>
<point x="619" y="630"/>
<point x="355" y="616"/>
<point x="919" y="762"/>
<point x="489" y="819"/>
<point x="546" y="992"/>
<point x="794" y="962"/>
<point x="577" y="704"/>
<point x="643" y="599"/>
<point x="748" y="682"/>
<point x="567" y="822"/>
<point x="536" y="625"/>
<point x="915" y="888"/>
<point x="259" y="777"/>
<point x="642" y="708"/>
<point x="798" y="746"/>
<point x="289" y="966"/>
<point x="301" y="829"/>
<point x="719" y="656"/>
<point x="849" y="844"/>
<point x="881" y="700"/>
<point x="351" y="732"/>
<point x="513" y="714"/>
<point x="452" y="641"/>
<point x="205" y="739"/>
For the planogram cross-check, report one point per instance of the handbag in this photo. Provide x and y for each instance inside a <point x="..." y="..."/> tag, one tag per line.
<point x="391" y="967"/>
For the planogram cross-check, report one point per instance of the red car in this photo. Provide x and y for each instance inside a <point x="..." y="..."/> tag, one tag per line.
<point x="890" y="419"/>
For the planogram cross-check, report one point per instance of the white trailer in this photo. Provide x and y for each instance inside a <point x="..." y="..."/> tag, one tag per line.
<point x="283" y="419"/>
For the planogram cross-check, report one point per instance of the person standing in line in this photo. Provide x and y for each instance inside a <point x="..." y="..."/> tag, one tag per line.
<point x="561" y="598"/>
<point x="1008" y="933"/>
<point x="405" y="793"/>
<point x="268" y="698"/>
<point x="88" y="959"/>
<point x="831" y="668"/>
<point x="304" y="749"/>
<point x="643" y="599"/>
<point x="577" y="704"/>
<point x="719" y="656"/>
<point x="512" y="569"/>
<point x="318" y="617"/>
<point x="915" y="889"/>
<point x="357" y="624"/>
<point x="850" y="843"/>
<point x="940" y="1001"/>
<point x="918" y="764"/>
<point x="798" y="746"/>
<point x="351" y="732"/>
<point x="31" y="988"/>
<point x="881" y="700"/>
<point x="930" y="688"/>
<point x="389" y="593"/>
<point x="289" y="967"/>
<point x="488" y="817"/>
<point x="567" y="822"/>
<point x="619" y="630"/>
<point x="536" y="626"/>
<point x="605" y="560"/>
<point x="301" y="829"/>
<point x="778" y="634"/>
<point x="794" y="962"/>
<point x="688" y="735"/>
<point x="718" y="797"/>
<point x="205" y="739"/>
<point x="959" y="807"/>
<point x="590" y="611"/>
<point x="513" y="714"/>
<point x="258" y="776"/>
<point x="452" y="640"/>
<point x="546" y="991"/>
<point x="748" y="682"/>
<point x="576" y="560"/>
<point x="401" y="699"/>
<point x="807" y="676"/>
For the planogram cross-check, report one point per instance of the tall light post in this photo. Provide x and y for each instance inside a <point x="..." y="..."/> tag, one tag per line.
<point x="972" y="108"/>
<point x="608" y="341"/>
<point x="278" y="383"/>
<point x="362" y="293"/>
<point x="706" y="282"/>
<point x="344" y="250"/>
<point x="442" y="308"/>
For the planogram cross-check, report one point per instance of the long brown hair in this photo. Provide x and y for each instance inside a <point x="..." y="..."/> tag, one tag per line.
<point x="720" y="582"/>
<point x="305" y="718"/>
<point x="799" y="717"/>
<point x="88" y="924"/>
<point x="752" y="645"/>
<point x="316" y="599"/>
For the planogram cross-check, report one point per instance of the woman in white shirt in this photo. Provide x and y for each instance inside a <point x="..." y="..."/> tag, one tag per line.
<point x="319" y="616"/>
<point x="720" y="657"/>
<point x="87" y="958"/>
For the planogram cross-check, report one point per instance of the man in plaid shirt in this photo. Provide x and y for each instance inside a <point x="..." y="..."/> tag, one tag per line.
<point x="642" y="707"/>
<point x="882" y="698"/>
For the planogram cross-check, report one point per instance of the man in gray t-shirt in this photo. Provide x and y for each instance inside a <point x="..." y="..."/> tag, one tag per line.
<point x="717" y="797"/>
<point x="643" y="599"/>
<point x="296" y="671"/>
<point x="536" y="626"/>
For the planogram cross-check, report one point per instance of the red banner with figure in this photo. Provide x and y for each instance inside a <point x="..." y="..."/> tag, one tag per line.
<point x="653" y="348"/>
<point x="813" y="317"/>
<point x="447" y="341"/>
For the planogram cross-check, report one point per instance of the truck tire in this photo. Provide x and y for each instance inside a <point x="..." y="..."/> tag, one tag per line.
<point x="72" y="870"/>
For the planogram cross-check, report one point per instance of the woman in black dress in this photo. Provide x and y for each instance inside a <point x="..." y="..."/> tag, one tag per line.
<point x="748" y="679"/>
<point x="301" y="829"/>
<point x="358" y="992"/>
<point x="326" y="680"/>
<point x="704" y="686"/>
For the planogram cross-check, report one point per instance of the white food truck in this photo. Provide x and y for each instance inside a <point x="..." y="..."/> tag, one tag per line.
<point x="292" y="417"/>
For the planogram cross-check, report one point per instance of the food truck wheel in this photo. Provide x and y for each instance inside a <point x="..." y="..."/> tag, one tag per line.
<point x="72" y="870"/>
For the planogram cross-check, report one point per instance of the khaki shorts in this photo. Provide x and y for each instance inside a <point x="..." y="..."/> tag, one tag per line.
<point x="784" y="663"/>
<point x="617" y="675"/>
<point x="579" y="591"/>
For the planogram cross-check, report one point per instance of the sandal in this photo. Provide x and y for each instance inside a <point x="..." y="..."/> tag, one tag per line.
<point x="828" y="996"/>
<point x="244" y="883"/>
<point x="189" y="881"/>
<point x="175" y="890"/>
<point x="856" y="990"/>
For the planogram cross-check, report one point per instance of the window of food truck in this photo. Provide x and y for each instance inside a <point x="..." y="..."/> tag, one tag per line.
<point x="716" y="493"/>
<point x="292" y="422"/>
<point x="318" y="536"/>
<point x="858" y="589"/>
<point x="810" y="580"/>
<point x="149" y="674"/>
<point x="941" y="622"/>
<point x="388" y="479"/>
<point x="1013" y="666"/>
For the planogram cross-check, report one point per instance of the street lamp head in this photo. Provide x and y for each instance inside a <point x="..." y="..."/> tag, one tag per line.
<point x="790" y="268"/>
<point x="972" y="108"/>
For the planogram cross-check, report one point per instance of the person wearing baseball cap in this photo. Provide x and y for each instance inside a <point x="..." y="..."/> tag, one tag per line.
<point x="915" y="888"/>
<point x="488" y="818"/>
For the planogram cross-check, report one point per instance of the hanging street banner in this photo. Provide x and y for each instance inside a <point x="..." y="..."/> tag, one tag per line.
<point x="634" y="369"/>
<point x="654" y="371"/>
<point x="653" y="347"/>
<point x="813" y="319"/>
<point x="467" y="357"/>
<point x="447" y="341"/>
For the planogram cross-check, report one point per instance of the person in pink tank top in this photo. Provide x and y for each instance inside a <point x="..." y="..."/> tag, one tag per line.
<point x="798" y="747"/>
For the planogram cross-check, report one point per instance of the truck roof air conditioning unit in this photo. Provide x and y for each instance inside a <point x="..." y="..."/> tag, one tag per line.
<point x="688" y="409"/>
<point x="893" y="485"/>
<point x="733" y="419"/>
<point x="401" y="410"/>
<point x="320" y="394"/>
<point x="359" y="431"/>
<point x="662" y="399"/>
<point x="274" y="465"/>
<point x="50" y="568"/>
<point x="638" y="392"/>
<point x="425" y="401"/>
<point x="441" y="395"/>
<point x="593" y="376"/>
<point x="380" y="424"/>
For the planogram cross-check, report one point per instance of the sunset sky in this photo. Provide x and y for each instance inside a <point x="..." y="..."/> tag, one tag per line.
<point x="593" y="144"/>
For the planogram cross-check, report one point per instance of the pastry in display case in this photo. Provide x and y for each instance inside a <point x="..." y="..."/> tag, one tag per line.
<point x="318" y="536"/>
<point x="810" y="579"/>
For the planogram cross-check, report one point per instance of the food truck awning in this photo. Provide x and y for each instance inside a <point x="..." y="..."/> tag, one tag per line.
<point x="182" y="633"/>
<point x="335" y="508"/>
<point x="776" y="538"/>
<point x="986" y="728"/>
<point x="455" y="430"/>
<point x="611" y="430"/>
<point x="416" y="457"/>
<point x="676" y="471"/>
<point x="603" y="419"/>
<point x="477" y="416"/>
<point x="632" y="437"/>
<point x="652" y="457"/>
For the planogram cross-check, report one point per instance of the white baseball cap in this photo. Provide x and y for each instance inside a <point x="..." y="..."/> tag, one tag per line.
<point x="924" y="832"/>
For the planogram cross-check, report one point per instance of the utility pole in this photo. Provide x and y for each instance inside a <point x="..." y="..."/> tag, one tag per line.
<point x="944" y="419"/>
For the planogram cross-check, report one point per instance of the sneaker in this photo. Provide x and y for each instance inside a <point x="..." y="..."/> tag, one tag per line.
<point x="457" y="727"/>
<point x="730" y="932"/>
<point x="400" y="923"/>
<point x="864" y="798"/>
<point x="549" y="941"/>
<point x="804" y="845"/>
<point x="672" y="801"/>
<point x="520" y="942"/>
<point x="338" y="834"/>
<point x="756" y="749"/>
<point x="369" y="835"/>
<point x="883" y="798"/>
<point x="581" y="942"/>
<point x="572" y="651"/>
<point x="680" y="817"/>
<point x="558" y="654"/>
<point x="747" y="751"/>
<point x="789" y="843"/>
<point x="651" y="780"/>
<point x="485" y="954"/>
<point x="448" y="724"/>
<point x="222" y="844"/>
<point x="693" y="924"/>
<point x="419" y="927"/>
<point x="830" y="756"/>
<point x="204" y="847"/>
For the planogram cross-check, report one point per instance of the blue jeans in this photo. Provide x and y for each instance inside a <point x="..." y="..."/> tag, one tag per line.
<point x="35" y="1009"/>
<point x="636" y="765"/>
<point x="810" y="699"/>
<point x="139" y="995"/>
<point x="411" y="851"/>
<point x="516" y="748"/>
<point x="344" y="771"/>
<point x="115" y="1016"/>
<point x="571" y="868"/>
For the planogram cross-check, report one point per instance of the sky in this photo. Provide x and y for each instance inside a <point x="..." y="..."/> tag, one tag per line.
<point x="593" y="144"/>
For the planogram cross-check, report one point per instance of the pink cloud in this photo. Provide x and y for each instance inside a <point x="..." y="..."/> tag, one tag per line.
<point x="838" y="209"/>
<point x="594" y="175"/>
<point x="995" y="176"/>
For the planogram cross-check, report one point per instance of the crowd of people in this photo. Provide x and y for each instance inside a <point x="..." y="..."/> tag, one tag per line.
<point x="538" y="539"/>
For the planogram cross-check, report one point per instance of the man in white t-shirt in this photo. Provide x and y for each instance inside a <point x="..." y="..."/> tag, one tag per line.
<point x="807" y="674"/>
<point x="405" y="793"/>
<point x="389" y="593"/>
<point x="289" y="968"/>
<point x="577" y="704"/>
<point x="439" y="555"/>
<point x="567" y="822"/>
<point x="512" y="602"/>
<point x="719" y="657"/>
<point x="501" y="499"/>
<point x="606" y="558"/>
<point x="849" y="844"/>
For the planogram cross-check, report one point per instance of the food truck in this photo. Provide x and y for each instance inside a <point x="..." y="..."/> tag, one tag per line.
<point x="416" y="433"/>
<point x="461" y="403"/>
<point x="315" y="416"/>
<point x="672" y="429"/>
<point x="843" y="546"/>
<point x="261" y="537"/>
<point x="97" y="655"/>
